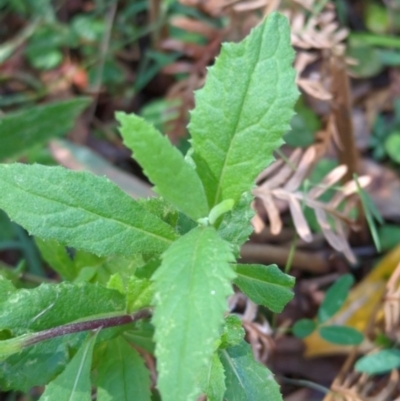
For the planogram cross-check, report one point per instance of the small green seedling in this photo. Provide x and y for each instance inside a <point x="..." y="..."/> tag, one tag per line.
<point x="153" y="276"/>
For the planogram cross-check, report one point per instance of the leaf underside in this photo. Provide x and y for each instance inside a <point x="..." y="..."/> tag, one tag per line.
<point x="51" y="305"/>
<point x="80" y="210"/>
<point x="191" y="286"/>
<point x="243" y="110"/>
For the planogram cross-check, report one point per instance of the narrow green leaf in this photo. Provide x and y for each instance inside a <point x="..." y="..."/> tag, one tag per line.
<point x="243" y="110"/>
<point x="73" y="384"/>
<point x="265" y="285"/>
<point x="51" y="305"/>
<point x="21" y="130"/>
<point x="165" y="166"/>
<point x="380" y="362"/>
<point x="191" y="286"/>
<point x="122" y="374"/>
<point x="212" y="382"/>
<point x="80" y="210"/>
<point x="371" y="213"/>
<point x="246" y="379"/>
<point x="342" y="335"/>
<point x="335" y="297"/>
<point x="304" y="327"/>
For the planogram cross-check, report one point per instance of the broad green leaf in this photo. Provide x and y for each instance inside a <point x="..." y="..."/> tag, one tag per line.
<point x="80" y="210"/>
<point x="304" y="327"/>
<point x="212" y="382"/>
<point x="265" y="285"/>
<point x="246" y="379"/>
<point x="380" y="362"/>
<point x="51" y="305"/>
<point x="139" y="294"/>
<point x="236" y="225"/>
<point x="191" y="287"/>
<point x="233" y="332"/>
<point x="335" y="297"/>
<point x="73" y="384"/>
<point x="38" y="364"/>
<point x="342" y="335"/>
<point x="122" y="374"/>
<point x="24" y="129"/>
<point x="164" y="165"/>
<point x="243" y="110"/>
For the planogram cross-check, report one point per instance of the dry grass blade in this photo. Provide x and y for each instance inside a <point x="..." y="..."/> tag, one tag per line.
<point x="354" y="386"/>
<point x="391" y="306"/>
<point x="280" y="189"/>
<point x="331" y="179"/>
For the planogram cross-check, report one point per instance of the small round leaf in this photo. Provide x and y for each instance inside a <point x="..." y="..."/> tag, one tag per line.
<point x="381" y="362"/>
<point x="304" y="327"/>
<point x="341" y="335"/>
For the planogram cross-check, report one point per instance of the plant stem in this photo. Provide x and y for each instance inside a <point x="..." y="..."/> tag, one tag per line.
<point x="77" y="327"/>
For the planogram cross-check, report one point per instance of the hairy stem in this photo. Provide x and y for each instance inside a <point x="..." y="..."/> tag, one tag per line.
<point x="77" y="327"/>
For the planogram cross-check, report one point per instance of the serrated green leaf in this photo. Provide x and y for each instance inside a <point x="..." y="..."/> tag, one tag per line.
<point x="80" y="210"/>
<point x="236" y="225"/>
<point x="304" y="327"/>
<point x="191" y="286"/>
<point x="212" y="382"/>
<point x="164" y="165"/>
<point x="265" y="285"/>
<point x="246" y="379"/>
<point x="73" y="384"/>
<point x="243" y="110"/>
<point x="122" y="374"/>
<point x="233" y="332"/>
<point x="24" y="129"/>
<point x="335" y="297"/>
<point x="342" y="335"/>
<point x="139" y="294"/>
<point x="381" y="362"/>
<point x="51" y="305"/>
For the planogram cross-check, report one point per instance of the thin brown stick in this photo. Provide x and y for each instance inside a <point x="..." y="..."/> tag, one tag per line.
<point x="256" y="253"/>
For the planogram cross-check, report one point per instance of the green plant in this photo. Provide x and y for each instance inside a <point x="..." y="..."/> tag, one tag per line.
<point x="171" y="258"/>
<point x="333" y="301"/>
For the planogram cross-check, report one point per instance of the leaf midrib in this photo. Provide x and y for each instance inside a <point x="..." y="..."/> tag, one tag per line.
<point x="224" y="166"/>
<point x="96" y="214"/>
